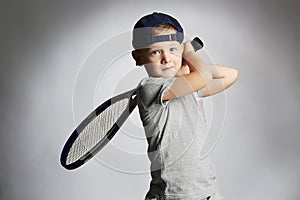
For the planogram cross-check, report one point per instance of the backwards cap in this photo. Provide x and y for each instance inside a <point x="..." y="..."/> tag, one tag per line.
<point x="142" y="31"/>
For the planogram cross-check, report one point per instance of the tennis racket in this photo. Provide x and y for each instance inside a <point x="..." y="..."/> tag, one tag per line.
<point x="99" y="127"/>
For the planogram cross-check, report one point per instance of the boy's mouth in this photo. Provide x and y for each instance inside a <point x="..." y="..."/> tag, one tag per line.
<point x="166" y="68"/>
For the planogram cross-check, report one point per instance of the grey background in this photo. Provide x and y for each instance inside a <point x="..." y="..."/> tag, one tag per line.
<point x="44" y="43"/>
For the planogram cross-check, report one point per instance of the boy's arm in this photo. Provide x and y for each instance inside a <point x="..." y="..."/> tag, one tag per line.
<point x="201" y="75"/>
<point x="223" y="77"/>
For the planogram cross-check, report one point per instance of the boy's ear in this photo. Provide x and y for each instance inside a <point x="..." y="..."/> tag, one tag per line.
<point x="137" y="57"/>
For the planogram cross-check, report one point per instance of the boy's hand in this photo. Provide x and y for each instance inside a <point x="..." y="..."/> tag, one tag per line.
<point x="183" y="70"/>
<point x="187" y="48"/>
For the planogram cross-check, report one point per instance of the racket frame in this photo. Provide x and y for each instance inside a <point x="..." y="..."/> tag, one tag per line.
<point x="131" y="95"/>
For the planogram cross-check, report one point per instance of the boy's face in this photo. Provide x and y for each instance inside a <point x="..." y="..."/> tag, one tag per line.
<point x="161" y="59"/>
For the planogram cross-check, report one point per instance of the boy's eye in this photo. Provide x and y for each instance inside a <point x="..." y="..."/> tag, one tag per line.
<point x="173" y="49"/>
<point x="154" y="53"/>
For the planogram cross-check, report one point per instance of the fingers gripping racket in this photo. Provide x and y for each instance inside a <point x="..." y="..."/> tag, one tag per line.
<point x="99" y="127"/>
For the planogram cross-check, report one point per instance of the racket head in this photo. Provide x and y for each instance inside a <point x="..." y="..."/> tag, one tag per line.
<point x="77" y="150"/>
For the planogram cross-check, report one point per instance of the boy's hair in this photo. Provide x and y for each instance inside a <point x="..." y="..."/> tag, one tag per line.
<point x="163" y="28"/>
<point x="144" y="29"/>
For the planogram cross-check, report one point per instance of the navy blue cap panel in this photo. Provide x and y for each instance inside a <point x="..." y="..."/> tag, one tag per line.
<point x="142" y="33"/>
<point x="156" y="19"/>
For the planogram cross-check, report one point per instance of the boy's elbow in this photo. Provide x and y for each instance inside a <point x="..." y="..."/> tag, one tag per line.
<point x="232" y="77"/>
<point x="235" y="75"/>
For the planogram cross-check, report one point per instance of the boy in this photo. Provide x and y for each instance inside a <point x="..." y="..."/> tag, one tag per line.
<point x="168" y="107"/>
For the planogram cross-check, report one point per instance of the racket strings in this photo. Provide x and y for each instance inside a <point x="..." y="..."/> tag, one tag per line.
<point x="96" y="130"/>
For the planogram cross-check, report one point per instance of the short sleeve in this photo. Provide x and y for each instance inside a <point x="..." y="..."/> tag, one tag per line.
<point x="151" y="90"/>
<point x="201" y="92"/>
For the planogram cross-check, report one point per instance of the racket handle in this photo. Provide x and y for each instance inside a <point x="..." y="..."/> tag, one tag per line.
<point x="197" y="43"/>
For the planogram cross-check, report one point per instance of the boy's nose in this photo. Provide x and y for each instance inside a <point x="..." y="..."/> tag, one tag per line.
<point x="165" y="57"/>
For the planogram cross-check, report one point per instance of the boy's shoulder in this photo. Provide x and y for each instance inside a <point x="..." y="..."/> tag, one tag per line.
<point x="151" y="89"/>
<point x="154" y="85"/>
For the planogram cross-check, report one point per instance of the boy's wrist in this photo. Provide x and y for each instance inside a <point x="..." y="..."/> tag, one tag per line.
<point x="188" y="48"/>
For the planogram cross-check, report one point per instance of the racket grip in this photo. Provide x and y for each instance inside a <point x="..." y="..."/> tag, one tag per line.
<point x="197" y="43"/>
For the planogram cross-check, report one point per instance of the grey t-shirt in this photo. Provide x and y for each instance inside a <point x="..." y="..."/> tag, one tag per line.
<point x="175" y="131"/>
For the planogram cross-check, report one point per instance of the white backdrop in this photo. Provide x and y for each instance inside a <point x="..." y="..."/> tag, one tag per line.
<point x="45" y="46"/>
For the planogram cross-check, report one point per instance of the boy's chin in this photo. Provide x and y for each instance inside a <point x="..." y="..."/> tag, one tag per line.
<point x="170" y="74"/>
